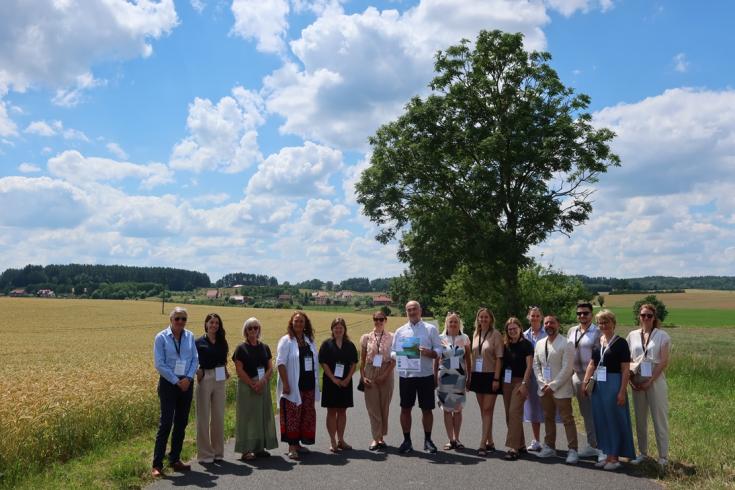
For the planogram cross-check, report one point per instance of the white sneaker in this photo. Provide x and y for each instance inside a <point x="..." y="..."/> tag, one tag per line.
<point x="601" y="457"/>
<point x="572" y="457"/>
<point x="662" y="462"/>
<point x="535" y="446"/>
<point x="639" y="459"/>
<point x="601" y="463"/>
<point x="611" y="466"/>
<point x="589" y="452"/>
<point x="546" y="452"/>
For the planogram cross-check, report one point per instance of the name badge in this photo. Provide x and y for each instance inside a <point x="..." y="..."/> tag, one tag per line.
<point x="601" y="374"/>
<point x="308" y="363"/>
<point x="261" y="373"/>
<point x="219" y="373"/>
<point x="507" y="376"/>
<point x="454" y="362"/>
<point x="339" y="370"/>
<point x="378" y="360"/>
<point x="478" y="365"/>
<point x="547" y="374"/>
<point x="646" y="369"/>
<point x="180" y="368"/>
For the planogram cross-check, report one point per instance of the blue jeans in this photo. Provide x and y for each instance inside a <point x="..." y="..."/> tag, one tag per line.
<point x="175" y="405"/>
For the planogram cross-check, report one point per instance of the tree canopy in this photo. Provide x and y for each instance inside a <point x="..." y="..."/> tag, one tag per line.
<point x="497" y="157"/>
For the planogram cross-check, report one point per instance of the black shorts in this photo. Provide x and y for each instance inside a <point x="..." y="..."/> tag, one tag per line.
<point x="408" y="388"/>
<point x="482" y="384"/>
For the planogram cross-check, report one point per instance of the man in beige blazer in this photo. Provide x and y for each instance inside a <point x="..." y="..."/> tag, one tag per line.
<point x="553" y="366"/>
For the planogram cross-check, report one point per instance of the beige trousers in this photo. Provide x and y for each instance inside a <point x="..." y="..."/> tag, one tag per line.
<point x="210" y="396"/>
<point x="377" y="401"/>
<point x="656" y="401"/>
<point x="564" y="405"/>
<point x="585" y="408"/>
<point x="514" y="402"/>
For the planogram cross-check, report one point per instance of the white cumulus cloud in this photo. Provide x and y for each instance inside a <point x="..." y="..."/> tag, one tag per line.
<point x="264" y="21"/>
<point x="75" y="167"/>
<point x="41" y="202"/>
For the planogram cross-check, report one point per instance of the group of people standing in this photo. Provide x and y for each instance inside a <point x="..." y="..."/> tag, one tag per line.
<point x="537" y="371"/>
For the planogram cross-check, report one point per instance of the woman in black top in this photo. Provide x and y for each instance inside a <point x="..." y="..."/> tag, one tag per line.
<point x="610" y="367"/>
<point x="210" y="394"/>
<point x="517" y="361"/>
<point x="338" y="357"/>
<point x="255" y="428"/>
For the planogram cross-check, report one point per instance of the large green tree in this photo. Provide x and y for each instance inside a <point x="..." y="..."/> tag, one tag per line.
<point x="497" y="157"/>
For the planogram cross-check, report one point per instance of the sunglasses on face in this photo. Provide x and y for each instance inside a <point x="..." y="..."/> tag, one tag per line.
<point x="647" y="315"/>
<point x="583" y="313"/>
<point x="253" y="328"/>
<point x="179" y="318"/>
<point x="378" y="319"/>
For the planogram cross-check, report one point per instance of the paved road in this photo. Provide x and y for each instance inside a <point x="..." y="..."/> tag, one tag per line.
<point x="363" y="469"/>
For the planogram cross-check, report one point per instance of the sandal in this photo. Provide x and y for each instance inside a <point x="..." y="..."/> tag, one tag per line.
<point x="344" y="446"/>
<point x="382" y="445"/>
<point x="374" y="446"/>
<point x="458" y="445"/>
<point x="334" y="449"/>
<point x="249" y="456"/>
<point x="450" y="445"/>
<point x="511" y="456"/>
<point x="490" y="448"/>
<point x="293" y="455"/>
<point x="481" y="452"/>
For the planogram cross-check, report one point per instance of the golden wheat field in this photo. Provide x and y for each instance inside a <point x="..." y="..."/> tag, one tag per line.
<point x="690" y="299"/>
<point x="79" y="372"/>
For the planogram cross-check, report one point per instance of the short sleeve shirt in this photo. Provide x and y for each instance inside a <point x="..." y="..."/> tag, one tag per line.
<point x="252" y="357"/>
<point x="330" y="354"/>
<point x="616" y="354"/>
<point x="492" y="348"/>
<point x="515" y="356"/>
<point x="370" y="342"/>
<point x="657" y="341"/>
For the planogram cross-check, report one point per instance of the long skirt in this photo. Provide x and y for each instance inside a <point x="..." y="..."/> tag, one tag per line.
<point x="612" y="422"/>
<point x="255" y="426"/>
<point x="298" y="422"/>
<point x="532" y="411"/>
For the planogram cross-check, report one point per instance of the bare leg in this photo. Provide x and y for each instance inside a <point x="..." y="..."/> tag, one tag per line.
<point x="536" y="428"/>
<point x="457" y="423"/>
<point x="406" y="419"/>
<point x="427" y="419"/>
<point x="490" y="409"/>
<point x="341" y="424"/>
<point x="332" y="425"/>
<point x="449" y="425"/>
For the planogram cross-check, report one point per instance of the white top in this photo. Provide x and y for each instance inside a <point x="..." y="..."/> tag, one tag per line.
<point x="583" y="343"/>
<point x="288" y="355"/>
<point x="658" y="340"/>
<point x="557" y="355"/>
<point x="428" y="337"/>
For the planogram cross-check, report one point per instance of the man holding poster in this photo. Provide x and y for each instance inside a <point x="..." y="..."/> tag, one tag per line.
<point x="415" y="346"/>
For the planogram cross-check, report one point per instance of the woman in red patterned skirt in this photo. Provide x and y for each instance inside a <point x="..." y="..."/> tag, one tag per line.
<point x="298" y="386"/>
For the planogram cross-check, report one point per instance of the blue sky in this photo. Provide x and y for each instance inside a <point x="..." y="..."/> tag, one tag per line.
<point x="226" y="135"/>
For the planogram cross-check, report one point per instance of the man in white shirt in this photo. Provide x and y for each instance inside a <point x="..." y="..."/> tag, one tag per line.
<point x="552" y="366"/>
<point x="582" y="338"/>
<point x="415" y="346"/>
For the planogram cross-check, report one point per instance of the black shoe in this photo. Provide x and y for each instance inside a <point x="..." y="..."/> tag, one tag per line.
<point x="429" y="446"/>
<point x="406" y="447"/>
<point x="382" y="445"/>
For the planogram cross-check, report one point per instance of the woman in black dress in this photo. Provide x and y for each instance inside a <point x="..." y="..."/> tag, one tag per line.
<point x="338" y="357"/>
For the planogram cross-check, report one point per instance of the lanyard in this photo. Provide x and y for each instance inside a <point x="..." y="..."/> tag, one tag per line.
<point x="645" y="345"/>
<point x="177" y="345"/>
<point x="605" y="348"/>
<point x="482" y="341"/>
<point x="546" y="349"/>
<point x="379" y="341"/>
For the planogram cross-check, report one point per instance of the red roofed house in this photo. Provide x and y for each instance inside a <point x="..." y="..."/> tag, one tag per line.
<point x="213" y="294"/>
<point x="381" y="300"/>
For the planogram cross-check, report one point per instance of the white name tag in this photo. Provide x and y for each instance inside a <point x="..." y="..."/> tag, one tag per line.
<point x="547" y="374"/>
<point x="646" y="369"/>
<point x="454" y="362"/>
<point x="601" y="374"/>
<point x="219" y="373"/>
<point x="261" y="373"/>
<point x="378" y="360"/>
<point x="308" y="363"/>
<point x="507" y="376"/>
<point x="339" y="370"/>
<point x="478" y="365"/>
<point x="180" y="368"/>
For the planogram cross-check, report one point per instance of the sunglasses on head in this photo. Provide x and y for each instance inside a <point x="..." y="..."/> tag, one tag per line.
<point x="180" y="318"/>
<point x="646" y="315"/>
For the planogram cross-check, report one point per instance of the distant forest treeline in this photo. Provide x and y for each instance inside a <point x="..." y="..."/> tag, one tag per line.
<point x="596" y="284"/>
<point x="80" y="277"/>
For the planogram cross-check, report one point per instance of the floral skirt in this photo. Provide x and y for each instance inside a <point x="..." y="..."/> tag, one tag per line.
<point x="298" y="422"/>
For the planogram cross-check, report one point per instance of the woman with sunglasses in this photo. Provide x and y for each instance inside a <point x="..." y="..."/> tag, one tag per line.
<point x="376" y="373"/>
<point x="255" y="428"/>
<point x="450" y="371"/>
<point x="517" y="362"/>
<point x="650" y="348"/>
<point x="210" y="393"/>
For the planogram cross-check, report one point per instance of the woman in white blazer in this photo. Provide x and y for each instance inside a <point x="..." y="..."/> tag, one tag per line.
<point x="298" y="384"/>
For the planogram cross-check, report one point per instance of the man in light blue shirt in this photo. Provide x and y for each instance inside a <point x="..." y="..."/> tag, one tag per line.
<point x="415" y="346"/>
<point x="176" y="360"/>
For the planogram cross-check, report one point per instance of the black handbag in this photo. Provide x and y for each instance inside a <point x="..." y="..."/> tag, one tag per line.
<point x="361" y="385"/>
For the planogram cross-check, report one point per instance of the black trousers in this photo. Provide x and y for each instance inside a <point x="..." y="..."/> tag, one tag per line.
<point x="175" y="406"/>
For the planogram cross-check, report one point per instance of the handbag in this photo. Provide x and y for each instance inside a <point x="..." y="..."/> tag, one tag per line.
<point x="361" y="385"/>
<point x="590" y="386"/>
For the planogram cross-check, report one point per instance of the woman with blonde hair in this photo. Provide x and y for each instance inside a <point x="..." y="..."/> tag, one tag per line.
<point x="487" y="358"/>
<point x="255" y="429"/>
<point x="650" y="348"/>
<point x="610" y="368"/>
<point x="450" y="372"/>
<point x="517" y="362"/>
